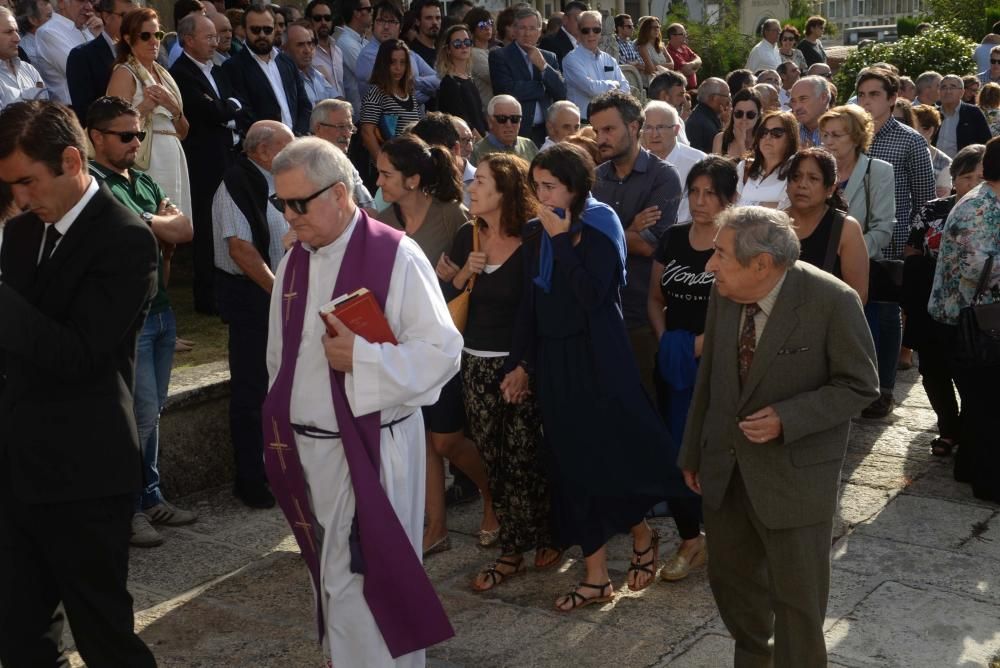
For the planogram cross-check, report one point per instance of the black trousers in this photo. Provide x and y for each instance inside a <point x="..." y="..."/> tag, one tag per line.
<point x="243" y="306"/>
<point x="937" y="375"/>
<point x="977" y="460"/>
<point x="67" y="560"/>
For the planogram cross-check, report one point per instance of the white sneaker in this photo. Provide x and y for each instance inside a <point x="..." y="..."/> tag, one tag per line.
<point x="169" y="514"/>
<point x="143" y="533"/>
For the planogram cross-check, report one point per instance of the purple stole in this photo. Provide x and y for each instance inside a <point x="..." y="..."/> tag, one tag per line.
<point x="401" y="598"/>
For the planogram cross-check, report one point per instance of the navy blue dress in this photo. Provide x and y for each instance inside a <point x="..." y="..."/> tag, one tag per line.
<point x="610" y="455"/>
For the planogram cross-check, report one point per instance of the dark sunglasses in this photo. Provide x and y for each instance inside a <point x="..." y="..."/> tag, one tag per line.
<point x="146" y="36"/>
<point x="739" y="113"/>
<point x="364" y="10"/>
<point x="323" y="18"/>
<point x="789" y="38"/>
<point x="459" y="43"/>
<point x="267" y="30"/>
<point x="994" y="61"/>
<point x="488" y="23"/>
<point x="125" y="137"/>
<point x="299" y="206"/>
<point x="591" y="31"/>
<point x="777" y="133"/>
<point x="504" y="118"/>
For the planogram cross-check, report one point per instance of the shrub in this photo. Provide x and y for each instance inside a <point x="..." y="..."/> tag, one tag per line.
<point x="906" y="26"/>
<point x="940" y="49"/>
<point x="969" y="18"/>
<point x="721" y="46"/>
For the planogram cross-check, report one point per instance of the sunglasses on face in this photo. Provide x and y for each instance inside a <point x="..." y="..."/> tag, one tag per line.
<point x="750" y="115"/>
<point x="322" y="18"/>
<point x="788" y="38"/>
<point x="459" y="43"/>
<point x="994" y="61"/>
<point x="364" y="10"/>
<point x="504" y="118"/>
<point x="125" y="137"/>
<point x="267" y="30"/>
<point x="777" y="133"/>
<point x="591" y="31"/>
<point x="299" y="206"/>
<point x="146" y="36"/>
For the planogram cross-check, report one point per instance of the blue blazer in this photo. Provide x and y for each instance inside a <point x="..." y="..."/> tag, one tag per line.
<point x="254" y="92"/>
<point x="558" y="43"/>
<point x="510" y="75"/>
<point x="88" y="71"/>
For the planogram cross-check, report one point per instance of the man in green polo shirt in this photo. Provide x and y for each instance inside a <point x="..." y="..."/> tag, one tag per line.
<point x="113" y="129"/>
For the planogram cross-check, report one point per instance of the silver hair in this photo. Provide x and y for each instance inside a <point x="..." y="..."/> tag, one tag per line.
<point x="4" y="12"/>
<point x="766" y="90"/>
<point x="321" y="162"/>
<point x="758" y="230"/>
<point x="819" y="87"/>
<point x="321" y="112"/>
<point x="188" y="26"/>
<point x="556" y="107"/>
<point x="712" y="86"/>
<point x="259" y="135"/>
<point x="662" y="107"/>
<point x="967" y="160"/>
<point x="928" y="79"/>
<point x="524" y="12"/>
<point x="770" y="22"/>
<point x="953" y="77"/>
<point x="591" y="14"/>
<point x="502" y="99"/>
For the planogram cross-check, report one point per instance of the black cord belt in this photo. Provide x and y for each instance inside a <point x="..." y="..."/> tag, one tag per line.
<point x="316" y="432"/>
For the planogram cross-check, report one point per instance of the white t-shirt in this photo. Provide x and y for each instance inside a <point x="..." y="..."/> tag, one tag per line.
<point x="762" y="192"/>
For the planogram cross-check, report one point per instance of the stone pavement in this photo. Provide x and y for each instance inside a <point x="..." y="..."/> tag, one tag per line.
<point x="916" y="582"/>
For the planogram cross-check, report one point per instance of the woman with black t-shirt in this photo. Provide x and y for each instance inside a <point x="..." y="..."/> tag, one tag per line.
<point x="679" y="289"/>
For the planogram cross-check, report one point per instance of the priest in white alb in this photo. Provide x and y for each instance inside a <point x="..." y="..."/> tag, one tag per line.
<point x="344" y="436"/>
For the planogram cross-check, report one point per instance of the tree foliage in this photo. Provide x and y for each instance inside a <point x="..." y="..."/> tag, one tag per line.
<point x="721" y="45"/>
<point x="969" y="18"/>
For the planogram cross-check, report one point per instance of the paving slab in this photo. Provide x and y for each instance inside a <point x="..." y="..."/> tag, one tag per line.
<point x="926" y="522"/>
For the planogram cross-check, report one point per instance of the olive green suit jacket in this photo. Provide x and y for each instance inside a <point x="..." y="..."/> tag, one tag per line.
<point x="815" y="365"/>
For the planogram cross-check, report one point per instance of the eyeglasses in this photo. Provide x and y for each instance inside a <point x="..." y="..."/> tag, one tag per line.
<point x="299" y="206"/>
<point x="677" y="34"/>
<point x="739" y="113"/>
<point x="591" y="31"/>
<point x="322" y="18"/>
<point x="267" y="30"/>
<point x="628" y="25"/>
<point x="777" y="133"/>
<point x="146" y="36"/>
<point x="994" y="61"/>
<point x="658" y="129"/>
<point x="504" y="118"/>
<point x="459" y="43"/>
<point x="364" y="10"/>
<point x="466" y="140"/>
<point x="344" y="128"/>
<point x="386" y="22"/>
<point x="789" y="38"/>
<point x="125" y="137"/>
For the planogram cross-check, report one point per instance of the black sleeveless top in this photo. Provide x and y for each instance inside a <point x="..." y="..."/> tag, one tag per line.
<point x="814" y="247"/>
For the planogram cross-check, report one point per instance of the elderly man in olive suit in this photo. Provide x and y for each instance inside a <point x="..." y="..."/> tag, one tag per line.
<point x="787" y="361"/>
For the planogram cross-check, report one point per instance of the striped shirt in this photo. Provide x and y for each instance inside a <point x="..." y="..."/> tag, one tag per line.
<point x="626" y="52"/>
<point x="904" y="149"/>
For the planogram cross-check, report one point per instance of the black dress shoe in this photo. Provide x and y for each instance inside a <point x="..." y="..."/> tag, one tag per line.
<point x="255" y="495"/>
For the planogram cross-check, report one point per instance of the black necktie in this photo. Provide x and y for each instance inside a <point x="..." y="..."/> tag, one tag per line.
<point x="52" y="236"/>
<point x="748" y="340"/>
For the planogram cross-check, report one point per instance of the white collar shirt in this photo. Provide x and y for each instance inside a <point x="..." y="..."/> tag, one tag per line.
<point x="55" y="39"/>
<point x="539" y="118"/>
<point x="19" y="81"/>
<point x="350" y="44"/>
<point x="270" y="69"/>
<point x="330" y="63"/>
<point x="764" y="56"/>
<point x="206" y="69"/>
<point x="590" y="74"/>
<point x="683" y="158"/>
<point x="64" y="223"/>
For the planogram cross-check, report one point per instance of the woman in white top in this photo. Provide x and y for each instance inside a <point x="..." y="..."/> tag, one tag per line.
<point x="137" y="77"/>
<point x="762" y="178"/>
<point x="652" y="50"/>
<point x="927" y="121"/>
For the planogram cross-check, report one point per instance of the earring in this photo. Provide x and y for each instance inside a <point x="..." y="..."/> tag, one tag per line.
<point x="409" y="187"/>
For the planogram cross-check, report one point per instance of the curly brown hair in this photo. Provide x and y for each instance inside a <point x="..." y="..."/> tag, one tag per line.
<point x="518" y="203"/>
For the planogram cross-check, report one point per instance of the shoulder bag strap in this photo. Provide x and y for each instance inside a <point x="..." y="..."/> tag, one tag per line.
<point x="984" y="280"/>
<point x="475" y="249"/>
<point x="833" y="244"/>
<point x="868" y="192"/>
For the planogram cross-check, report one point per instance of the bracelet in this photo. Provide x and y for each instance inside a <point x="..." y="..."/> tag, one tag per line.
<point x="177" y="117"/>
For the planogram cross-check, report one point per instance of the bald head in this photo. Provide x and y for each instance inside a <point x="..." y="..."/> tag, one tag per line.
<point x="197" y="35"/>
<point x="264" y="140"/>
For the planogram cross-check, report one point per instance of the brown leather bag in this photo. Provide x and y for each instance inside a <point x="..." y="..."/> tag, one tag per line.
<point x="459" y="306"/>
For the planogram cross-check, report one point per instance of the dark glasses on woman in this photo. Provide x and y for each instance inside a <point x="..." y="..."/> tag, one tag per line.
<point x="777" y="133"/>
<point x="459" y="43"/>
<point x="146" y="36"/>
<point x="750" y="115"/>
<point x="267" y="30"/>
<point x="125" y="137"/>
<point x="299" y="206"/>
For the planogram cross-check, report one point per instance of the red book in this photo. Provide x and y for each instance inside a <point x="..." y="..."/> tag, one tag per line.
<point x="362" y="315"/>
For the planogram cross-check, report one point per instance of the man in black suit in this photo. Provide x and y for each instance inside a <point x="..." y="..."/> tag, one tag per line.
<point x="705" y="121"/>
<point x="213" y="115"/>
<point x="268" y="87"/>
<point x="529" y="74"/>
<point x="962" y="123"/>
<point x="564" y="40"/>
<point x="88" y="67"/>
<point x="78" y="271"/>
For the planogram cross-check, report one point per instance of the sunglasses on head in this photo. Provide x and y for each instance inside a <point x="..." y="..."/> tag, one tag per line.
<point x="299" y="206"/>
<point x="488" y="23"/>
<point x="504" y="118"/>
<point x="125" y="137"/>
<point x="459" y="43"/>
<point x="591" y="31"/>
<point x="777" y="133"/>
<point x="146" y="36"/>
<point x="267" y="30"/>
<point x="325" y="18"/>
<point x="739" y="113"/>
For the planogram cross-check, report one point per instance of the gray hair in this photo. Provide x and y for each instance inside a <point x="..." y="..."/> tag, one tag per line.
<point x="324" y="108"/>
<point x="591" y="14"/>
<point x="4" y="12"/>
<point x="525" y="11"/>
<point x="967" y="160"/>
<point x="712" y="86"/>
<point x="502" y="99"/>
<point x="758" y="230"/>
<point x="187" y="26"/>
<point x="322" y="162"/>
<point x="259" y="135"/>
<point x="766" y="91"/>
<point x="927" y="79"/>
<point x="818" y="84"/>
<point x="770" y="22"/>
<point x="955" y="78"/>
<point x="556" y="107"/>
<point x="663" y="108"/>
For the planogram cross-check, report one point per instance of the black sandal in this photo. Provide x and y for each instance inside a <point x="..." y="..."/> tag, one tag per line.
<point x="497" y="577"/>
<point x="941" y="447"/>
<point x="650" y="566"/>
<point x="578" y="600"/>
<point x="549" y="563"/>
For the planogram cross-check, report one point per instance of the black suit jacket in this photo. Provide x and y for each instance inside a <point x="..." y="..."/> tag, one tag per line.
<point x="254" y="91"/>
<point x="973" y="128"/>
<point x="510" y="75"/>
<point x="88" y="71"/>
<point x="559" y="44"/>
<point x="701" y="127"/>
<point x="68" y="338"/>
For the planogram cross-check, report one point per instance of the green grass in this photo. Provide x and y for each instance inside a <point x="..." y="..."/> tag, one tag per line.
<point x="206" y="331"/>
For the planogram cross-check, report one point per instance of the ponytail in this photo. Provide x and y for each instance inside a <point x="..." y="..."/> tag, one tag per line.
<point x="445" y="183"/>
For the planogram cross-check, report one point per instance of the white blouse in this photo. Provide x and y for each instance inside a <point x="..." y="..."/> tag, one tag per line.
<point x="762" y="191"/>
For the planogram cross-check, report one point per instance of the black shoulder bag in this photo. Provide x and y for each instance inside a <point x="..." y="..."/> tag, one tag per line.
<point x="978" y="343"/>
<point x="885" y="277"/>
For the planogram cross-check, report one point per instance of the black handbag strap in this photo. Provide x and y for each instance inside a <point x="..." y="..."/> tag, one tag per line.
<point x="833" y="243"/>
<point x="868" y="192"/>
<point x="984" y="280"/>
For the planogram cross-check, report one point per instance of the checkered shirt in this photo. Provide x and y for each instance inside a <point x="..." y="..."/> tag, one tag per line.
<point x="626" y="51"/>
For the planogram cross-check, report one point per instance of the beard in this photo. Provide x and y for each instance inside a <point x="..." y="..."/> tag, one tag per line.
<point x="125" y="162"/>
<point x="323" y="31"/>
<point x="260" y="46"/>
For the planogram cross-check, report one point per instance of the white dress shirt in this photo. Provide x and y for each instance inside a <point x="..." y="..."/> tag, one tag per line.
<point x="764" y="56"/>
<point x="330" y="64"/>
<point x="19" y="81"/>
<point x="206" y="69"/>
<point x="270" y="69"/>
<point x="590" y="74"/>
<point x="350" y="43"/>
<point x="317" y="87"/>
<point x="29" y="45"/>
<point x="64" y="223"/>
<point x="55" y="39"/>
<point x="683" y="158"/>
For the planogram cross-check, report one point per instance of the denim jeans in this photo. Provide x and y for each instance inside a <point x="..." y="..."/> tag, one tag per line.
<point x="153" y="360"/>
<point x="887" y="332"/>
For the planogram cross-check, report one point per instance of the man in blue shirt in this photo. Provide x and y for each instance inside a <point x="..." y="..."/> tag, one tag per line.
<point x="588" y="71"/>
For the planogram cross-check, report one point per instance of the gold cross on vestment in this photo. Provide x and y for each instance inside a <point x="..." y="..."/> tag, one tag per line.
<point x="278" y="447"/>
<point x="305" y="526"/>
<point x="288" y="297"/>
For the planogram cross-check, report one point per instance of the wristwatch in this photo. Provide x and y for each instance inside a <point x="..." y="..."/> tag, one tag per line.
<point x="147" y="217"/>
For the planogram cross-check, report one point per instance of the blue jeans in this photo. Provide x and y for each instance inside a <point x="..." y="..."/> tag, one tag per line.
<point x="153" y="360"/>
<point x="887" y="332"/>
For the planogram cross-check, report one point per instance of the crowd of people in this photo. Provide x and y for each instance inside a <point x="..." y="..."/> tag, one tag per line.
<point x="675" y="294"/>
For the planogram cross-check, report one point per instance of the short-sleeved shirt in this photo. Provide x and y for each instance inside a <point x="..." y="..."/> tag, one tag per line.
<point x="683" y="56"/>
<point x="390" y="114"/>
<point x="140" y="193"/>
<point x="437" y="234"/>
<point x="229" y="221"/>
<point x="684" y="283"/>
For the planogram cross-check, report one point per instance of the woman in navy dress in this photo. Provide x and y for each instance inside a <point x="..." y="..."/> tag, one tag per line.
<point x="610" y="456"/>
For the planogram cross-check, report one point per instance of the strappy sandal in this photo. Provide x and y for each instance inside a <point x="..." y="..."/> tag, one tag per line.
<point x="637" y="566"/>
<point x="941" y="447"/>
<point x="549" y="563"/>
<point x="578" y="600"/>
<point x="497" y="577"/>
